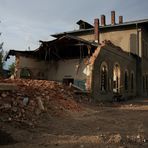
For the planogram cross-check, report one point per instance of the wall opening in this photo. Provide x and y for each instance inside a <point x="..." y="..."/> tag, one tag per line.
<point x="132" y="82"/>
<point x="68" y="81"/>
<point x="143" y="83"/>
<point x="116" y="79"/>
<point x="147" y="83"/>
<point x="25" y="73"/>
<point x="104" y="77"/>
<point x="126" y="81"/>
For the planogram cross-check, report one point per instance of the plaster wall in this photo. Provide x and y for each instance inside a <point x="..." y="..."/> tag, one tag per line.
<point x="37" y="68"/>
<point x="69" y="69"/>
<point x="124" y="38"/>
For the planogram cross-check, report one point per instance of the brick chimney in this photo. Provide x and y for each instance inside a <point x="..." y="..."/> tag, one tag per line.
<point x="120" y="19"/>
<point x="103" y="20"/>
<point x="96" y="30"/>
<point x="113" y="22"/>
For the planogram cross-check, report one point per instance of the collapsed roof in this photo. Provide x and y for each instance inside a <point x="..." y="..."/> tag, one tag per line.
<point x="64" y="47"/>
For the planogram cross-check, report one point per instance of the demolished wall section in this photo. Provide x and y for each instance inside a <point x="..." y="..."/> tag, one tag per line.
<point x="77" y="69"/>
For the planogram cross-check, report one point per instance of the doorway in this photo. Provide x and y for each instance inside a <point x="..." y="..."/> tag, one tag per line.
<point x="68" y="81"/>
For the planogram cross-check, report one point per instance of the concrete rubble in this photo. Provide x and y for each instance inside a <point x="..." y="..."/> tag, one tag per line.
<point x="29" y="98"/>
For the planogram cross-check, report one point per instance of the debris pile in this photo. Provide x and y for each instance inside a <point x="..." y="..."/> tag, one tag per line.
<point x="30" y="98"/>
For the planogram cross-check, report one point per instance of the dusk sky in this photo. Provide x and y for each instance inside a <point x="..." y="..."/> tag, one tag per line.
<point x="25" y="22"/>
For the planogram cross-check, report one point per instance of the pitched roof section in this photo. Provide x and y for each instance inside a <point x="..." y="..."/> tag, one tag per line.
<point x="70" y="37"/>
<point x="84" y="25"/>
<point x="124" y="24"/>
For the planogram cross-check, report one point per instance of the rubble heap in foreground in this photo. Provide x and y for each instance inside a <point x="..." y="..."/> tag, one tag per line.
<point x="27" y="99"/>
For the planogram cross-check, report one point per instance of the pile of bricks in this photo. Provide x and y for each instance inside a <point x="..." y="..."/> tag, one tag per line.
<point x="27" y="99"/>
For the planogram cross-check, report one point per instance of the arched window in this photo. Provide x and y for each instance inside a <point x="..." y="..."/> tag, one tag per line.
<point x="126" y="81"/>
<point x="116" y="78"/>
<point x="25" y="73"/>
<point x="143" y="83"/>
<point x="103" y="74"/>
<point x="146" y="82"/>
<point x="132" y="81"/>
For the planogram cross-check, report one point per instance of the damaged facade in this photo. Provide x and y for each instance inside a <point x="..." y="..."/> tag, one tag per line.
<point x="106" y="60"/>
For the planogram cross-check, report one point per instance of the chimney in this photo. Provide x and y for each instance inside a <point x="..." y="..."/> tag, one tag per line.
<point x="96" y="30"/>
<point x="120" y="19"/>
<point x="113" y="18"/>
<point x="103" y="20"/>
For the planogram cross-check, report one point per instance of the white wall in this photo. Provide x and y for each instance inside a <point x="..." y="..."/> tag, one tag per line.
<point x="73" y="68"/>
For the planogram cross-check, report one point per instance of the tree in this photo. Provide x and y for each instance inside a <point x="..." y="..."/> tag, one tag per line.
<point x="1" y="59"/>
<point x="12" y="68"/>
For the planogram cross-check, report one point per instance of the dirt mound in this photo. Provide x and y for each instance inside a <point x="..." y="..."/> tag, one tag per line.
<point x="30" y="98"/>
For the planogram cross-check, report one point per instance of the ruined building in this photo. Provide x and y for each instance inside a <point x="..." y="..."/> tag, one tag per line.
<point x="102" y="59"/>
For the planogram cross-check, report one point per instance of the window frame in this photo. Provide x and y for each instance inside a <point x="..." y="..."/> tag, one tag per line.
<point x="104" y="75"/>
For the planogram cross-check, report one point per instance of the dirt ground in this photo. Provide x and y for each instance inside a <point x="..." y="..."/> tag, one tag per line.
<point x="121" y="125"/>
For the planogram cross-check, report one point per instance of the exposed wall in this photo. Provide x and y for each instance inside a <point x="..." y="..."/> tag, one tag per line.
<point x="55" y="70"/>
<point x="37" y="68"/>
<point x="111" y="57"/>
<point x="69" y="69"/>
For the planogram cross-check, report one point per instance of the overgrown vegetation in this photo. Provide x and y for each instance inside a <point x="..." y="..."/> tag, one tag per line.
<point x="1" y="59"/>
<point x="12" y="68"/>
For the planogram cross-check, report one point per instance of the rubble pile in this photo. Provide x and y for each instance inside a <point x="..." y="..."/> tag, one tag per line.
<point x="32" y="97"/>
